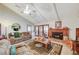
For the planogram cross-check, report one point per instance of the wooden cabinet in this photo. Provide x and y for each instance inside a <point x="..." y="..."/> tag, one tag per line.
<point x="76" y="43"/>
<point x="77" y="34"/>
<point x="76" y="47"/>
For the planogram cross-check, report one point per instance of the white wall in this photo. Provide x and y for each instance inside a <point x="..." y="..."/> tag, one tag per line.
<point x="72" y="24"/>
<point x="8" y="17"/>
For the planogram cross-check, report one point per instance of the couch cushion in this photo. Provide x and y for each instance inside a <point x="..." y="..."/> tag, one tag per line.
<point x="2" y="37"/>
<point x="17" y="34"/>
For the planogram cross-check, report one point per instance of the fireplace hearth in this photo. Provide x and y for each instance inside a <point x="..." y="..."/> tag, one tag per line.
<point x="57" y="35"/>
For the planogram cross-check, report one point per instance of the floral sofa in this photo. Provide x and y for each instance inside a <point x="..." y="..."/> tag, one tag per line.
<point x="23" y="37"/>
<point x="4" y="47"/>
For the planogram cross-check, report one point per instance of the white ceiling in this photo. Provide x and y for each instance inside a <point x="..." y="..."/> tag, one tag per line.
<point x="46" y="11"/>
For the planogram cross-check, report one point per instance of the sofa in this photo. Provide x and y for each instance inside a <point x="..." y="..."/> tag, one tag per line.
<point x="4" y="47"/>
<point x="23" y="37"/>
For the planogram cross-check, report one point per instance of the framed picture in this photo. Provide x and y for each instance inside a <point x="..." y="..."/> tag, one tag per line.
<point x="58" y="24"/>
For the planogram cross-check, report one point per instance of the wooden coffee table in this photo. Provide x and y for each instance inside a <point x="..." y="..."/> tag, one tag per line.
<point x="45" y="42"/>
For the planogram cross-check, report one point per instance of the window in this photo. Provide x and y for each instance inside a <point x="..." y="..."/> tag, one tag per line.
<point x="42" y="30"/>
<point x="46" y="30"/>
<point x="36" y="30"/>
<point x="29" y="28"/>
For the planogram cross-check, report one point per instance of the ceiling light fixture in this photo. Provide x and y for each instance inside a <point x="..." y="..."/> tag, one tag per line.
<point x="27" y="10"/>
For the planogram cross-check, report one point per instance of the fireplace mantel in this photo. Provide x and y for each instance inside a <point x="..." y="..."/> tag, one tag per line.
<point x="65" y="31"/>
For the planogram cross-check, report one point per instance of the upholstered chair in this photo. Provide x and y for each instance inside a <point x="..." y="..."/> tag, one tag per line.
<point x="5" y="47"/>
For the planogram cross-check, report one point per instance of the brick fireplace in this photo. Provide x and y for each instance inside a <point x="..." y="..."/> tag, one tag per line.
<point x="58" y="33"/>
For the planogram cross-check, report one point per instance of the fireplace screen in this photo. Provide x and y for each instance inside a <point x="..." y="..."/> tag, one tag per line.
<point x="57" y="35"/>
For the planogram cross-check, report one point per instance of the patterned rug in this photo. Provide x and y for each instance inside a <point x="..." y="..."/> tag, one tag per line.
<point x="54" y="50"/>
<point x="31" y="49"/>
<point x="40" y="50"/>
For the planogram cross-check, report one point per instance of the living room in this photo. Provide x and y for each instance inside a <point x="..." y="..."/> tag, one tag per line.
<point x="39" y="29"/>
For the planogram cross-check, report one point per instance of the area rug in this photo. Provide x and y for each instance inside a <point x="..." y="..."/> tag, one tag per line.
<point x="41" y="50"/>
<point x="55" y="50"/>
<point x="31" y="49"/>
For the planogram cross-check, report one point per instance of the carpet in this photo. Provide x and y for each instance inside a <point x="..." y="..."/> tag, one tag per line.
<point x="54" y="50"/>
<point x="30" y="49"/>
<point x="41" y="50"/>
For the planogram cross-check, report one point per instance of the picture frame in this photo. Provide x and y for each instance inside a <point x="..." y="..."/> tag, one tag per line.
<point x="58" y="24"/>
<point x="15" y="26"/>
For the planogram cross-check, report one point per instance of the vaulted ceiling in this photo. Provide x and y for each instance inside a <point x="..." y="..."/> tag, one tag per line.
<point x="46" y="11"/>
